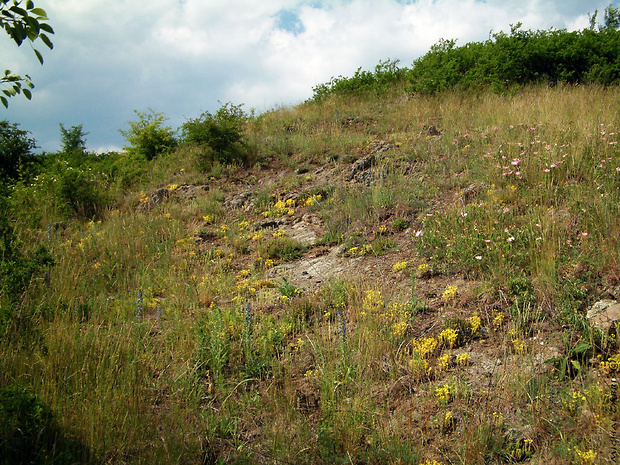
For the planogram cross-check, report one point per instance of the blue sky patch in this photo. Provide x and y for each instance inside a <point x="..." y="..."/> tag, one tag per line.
<point x="289" y="21"/>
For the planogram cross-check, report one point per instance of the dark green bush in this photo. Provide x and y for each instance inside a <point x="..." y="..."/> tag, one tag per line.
<point x="385" y="76"/>
<point x="80" y="193"/>
<point x="219" y="135"/>
<point x="16" y="158"/>
<point x="29" y="433"/>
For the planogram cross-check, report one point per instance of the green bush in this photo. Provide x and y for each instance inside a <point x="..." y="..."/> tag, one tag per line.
<point x="81" y="193"/>
<point x="385" y="76"/>
<point x="30" y="435"/>
<point x="220" y="135"/>
<point x="16" y="157"/>
<point x="148" y="136"/>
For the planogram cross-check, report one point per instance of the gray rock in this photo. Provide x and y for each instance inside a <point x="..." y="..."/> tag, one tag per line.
<point x="361" y="165"/>
<point x="604" y="313"/>
<point x="239" y="201"/>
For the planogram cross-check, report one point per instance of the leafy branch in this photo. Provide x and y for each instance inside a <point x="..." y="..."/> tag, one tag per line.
<point x="22" y="24"/>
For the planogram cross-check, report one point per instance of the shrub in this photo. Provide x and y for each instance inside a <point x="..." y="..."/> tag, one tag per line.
<point x="219" y="134"/>
<point x="81" y="193"/>
<point x="283" y="248"/>
<point x="148" y="136"/>
<point x="15" y="151"/>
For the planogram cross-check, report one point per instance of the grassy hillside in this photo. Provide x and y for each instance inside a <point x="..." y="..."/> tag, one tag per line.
<point x="400" y="279"/>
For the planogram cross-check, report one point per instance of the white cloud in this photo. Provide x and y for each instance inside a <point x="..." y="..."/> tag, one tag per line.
<point x="182" y="57"/>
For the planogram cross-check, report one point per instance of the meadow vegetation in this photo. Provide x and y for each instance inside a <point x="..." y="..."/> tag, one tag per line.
<point x="150" y="313"/>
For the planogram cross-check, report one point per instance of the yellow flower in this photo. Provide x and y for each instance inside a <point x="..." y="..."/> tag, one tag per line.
<point x="586" y="456"/>
<point x="444" y="393"/>
<point x="498" y="320"/>
<point x="278" y="233"/>
<point x="444" y="361"/>
<point x="372" y="301"/>
<point x="462" y="359"/>
<point x="448" y="336"/>
<point x="400" y="266"/>
<point x="475" y="323"/>
<point x="422" y="270"/>
<point x="518" y="346"/>
<point x="449" y="294"/>
<point x="424" y="346"/>
<point x="399" y="329"/>
<point x="172" y="187"/>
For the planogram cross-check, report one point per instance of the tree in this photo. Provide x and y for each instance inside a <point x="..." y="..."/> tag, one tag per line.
<point x="73" y="139"/>
<point x="22" y="24"/>
<point x="15" y="151"/>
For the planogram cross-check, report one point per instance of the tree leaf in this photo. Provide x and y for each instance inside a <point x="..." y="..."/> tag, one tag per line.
<point x="47" y="28"/>
<point x="20" y="11"/>
<point x="46" y="41"/>
<point x="5" y="102"/>
<point x="39" y="12"/>
<point x="34" y="25"/>
<point x="27" y="94"/>
<point x="38" y="54"/>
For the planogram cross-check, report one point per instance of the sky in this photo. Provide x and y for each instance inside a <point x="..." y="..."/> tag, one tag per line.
<point x="184" y="57"/>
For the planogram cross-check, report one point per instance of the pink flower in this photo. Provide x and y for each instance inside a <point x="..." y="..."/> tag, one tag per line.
<point x="419" y="233"/>
<point x="510" y="239"/>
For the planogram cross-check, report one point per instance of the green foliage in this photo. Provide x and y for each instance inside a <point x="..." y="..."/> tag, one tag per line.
<point x="81" y="194"/>
<point x="503" y="61"/>
<point x="219" y="134"/>
<point x="400" y="224"/>
<point x="519" y="58"/>
<point x="573" y="362"/>
<point x="29" y="433"/>
<point x="148" y="136"/>
<point x="377" y="82"/>
<point x="22" y="24"/>
<point x="73" y="139"/>
<point x="16" y="268"/>
<point x="16" y="272"/>
<point x="15" y="151"/>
